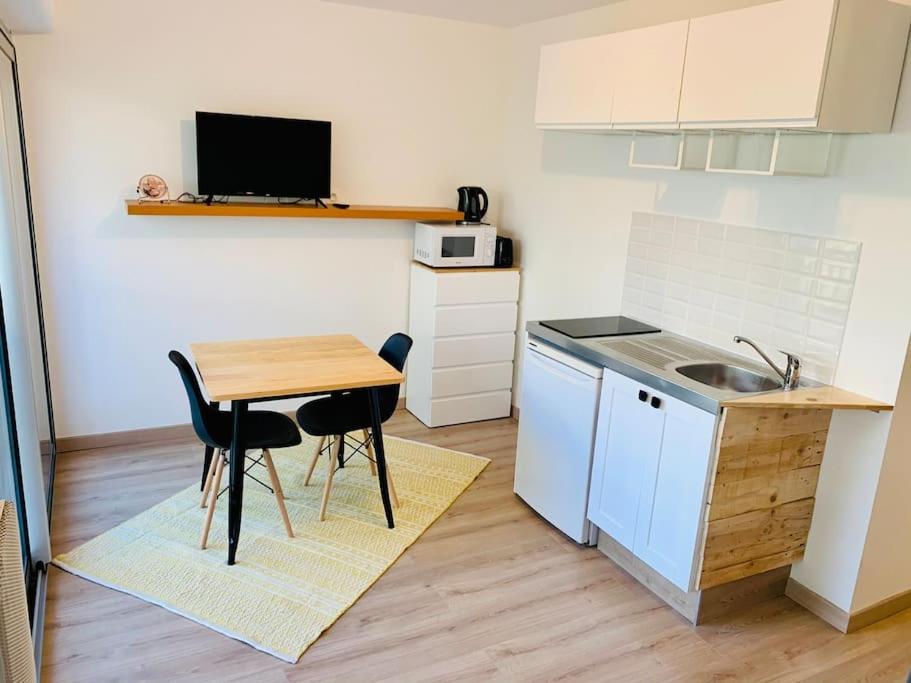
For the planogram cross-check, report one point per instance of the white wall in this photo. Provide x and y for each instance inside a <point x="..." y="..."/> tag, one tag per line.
<point x="416" y="108"/>
<point x="569" y="197"/>
<point x="886" y="566"/>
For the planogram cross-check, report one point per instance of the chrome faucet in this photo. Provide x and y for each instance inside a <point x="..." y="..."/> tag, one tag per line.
<point x="790" y="375"/>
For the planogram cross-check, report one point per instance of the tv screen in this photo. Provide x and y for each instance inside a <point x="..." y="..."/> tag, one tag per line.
<point x="262" y="156"/>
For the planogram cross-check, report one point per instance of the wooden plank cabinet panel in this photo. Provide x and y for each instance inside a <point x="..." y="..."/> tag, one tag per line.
<point x="764" y="490"/>
<point x="736" y="572"/>
<point x="763" y="493"/>
<point x="770" y="456"/>
<point x="757" y="534"/>
<point x="760" y="64"/>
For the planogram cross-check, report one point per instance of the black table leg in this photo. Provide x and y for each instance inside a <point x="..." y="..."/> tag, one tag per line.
<point x="376" y="429"/>
<point x="236" y="483"/>
<point x="207" y="458"/>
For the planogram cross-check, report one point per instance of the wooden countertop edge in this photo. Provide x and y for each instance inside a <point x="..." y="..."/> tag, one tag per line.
<point x="825" y="398"/>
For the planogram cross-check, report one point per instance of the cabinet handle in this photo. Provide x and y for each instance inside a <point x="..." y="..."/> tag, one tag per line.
<point x="643" y="396"/>
<point x="656" y="402"/>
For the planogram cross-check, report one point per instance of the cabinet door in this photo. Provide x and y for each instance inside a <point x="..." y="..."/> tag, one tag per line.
<point x="649" y="76"/>
<point x="672" y="504"/>
<point x="628" y="438"/>
<point x="764" y="65"/>
<point x="575" y="83"/>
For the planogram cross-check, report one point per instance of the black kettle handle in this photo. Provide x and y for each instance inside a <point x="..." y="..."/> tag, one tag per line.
<point x="483" y="211"/>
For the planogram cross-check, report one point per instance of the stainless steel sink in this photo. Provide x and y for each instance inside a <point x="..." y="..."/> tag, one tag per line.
<point x="729" y="377"/>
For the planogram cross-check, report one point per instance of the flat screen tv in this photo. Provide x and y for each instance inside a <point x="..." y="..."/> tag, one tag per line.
<point x="262" y="156"/>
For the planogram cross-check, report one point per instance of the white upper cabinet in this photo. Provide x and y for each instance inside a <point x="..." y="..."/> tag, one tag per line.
<point x="575" y="84"/>
<point x="621" y="80"/>
<point x="764" y="63"/>
<point x="832" y="65"/>
<point x="829" y="65"/>
<point x="649" y="76"/>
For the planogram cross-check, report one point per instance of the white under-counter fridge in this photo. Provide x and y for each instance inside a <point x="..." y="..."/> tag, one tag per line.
<point x="557" y="422"/>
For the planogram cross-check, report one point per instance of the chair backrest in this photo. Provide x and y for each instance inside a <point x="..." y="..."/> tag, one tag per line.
<point x="202" y="413"/>
<point x="395" y="352"/>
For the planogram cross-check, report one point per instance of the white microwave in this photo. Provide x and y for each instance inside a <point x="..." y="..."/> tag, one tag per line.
<point x="454" y="245"/>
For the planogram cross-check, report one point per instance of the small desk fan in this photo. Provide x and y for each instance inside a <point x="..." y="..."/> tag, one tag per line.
<point x="152" y="188"/>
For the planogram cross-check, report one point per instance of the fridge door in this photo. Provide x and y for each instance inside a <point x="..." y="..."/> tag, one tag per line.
<point x="559" y="410"/>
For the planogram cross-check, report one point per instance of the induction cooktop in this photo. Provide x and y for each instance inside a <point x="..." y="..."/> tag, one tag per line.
<point x="586" y="328"/>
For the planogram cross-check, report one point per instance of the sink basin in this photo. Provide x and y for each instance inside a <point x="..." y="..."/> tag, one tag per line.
<point x="729" y="377"/>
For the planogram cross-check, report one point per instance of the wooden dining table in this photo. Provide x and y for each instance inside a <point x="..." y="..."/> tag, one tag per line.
<point x="244" y="372"/>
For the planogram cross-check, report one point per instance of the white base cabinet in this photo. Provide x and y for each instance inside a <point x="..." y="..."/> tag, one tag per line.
<point x="650" y="475"/>
<point x="463" y="322"/>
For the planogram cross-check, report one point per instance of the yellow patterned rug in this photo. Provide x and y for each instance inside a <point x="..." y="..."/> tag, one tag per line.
<point x="282" y="593"/>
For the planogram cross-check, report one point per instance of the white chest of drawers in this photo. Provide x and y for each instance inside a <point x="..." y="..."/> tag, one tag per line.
<point x="463" y="322"/>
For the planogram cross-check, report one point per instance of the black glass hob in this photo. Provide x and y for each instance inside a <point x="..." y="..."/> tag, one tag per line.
<point x="586" y="328"/>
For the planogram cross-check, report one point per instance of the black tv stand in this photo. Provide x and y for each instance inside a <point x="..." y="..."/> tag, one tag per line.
<point x="317" y="202"/>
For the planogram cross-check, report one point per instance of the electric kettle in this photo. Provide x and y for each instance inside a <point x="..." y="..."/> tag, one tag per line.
<point x="471" y="204"/>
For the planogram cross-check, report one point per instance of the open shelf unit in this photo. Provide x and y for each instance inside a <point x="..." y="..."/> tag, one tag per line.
<point x="745" y="152"/>
<point x="275" y="210"/>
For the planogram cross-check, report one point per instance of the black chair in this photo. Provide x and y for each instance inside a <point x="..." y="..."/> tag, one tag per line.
<point x="265" y="429"/>
<point x="335" y="416"/>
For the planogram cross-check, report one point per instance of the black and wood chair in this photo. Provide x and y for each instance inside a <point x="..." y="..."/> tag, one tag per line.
<point x="265" y="429"/>
<point x="336" y="416"/>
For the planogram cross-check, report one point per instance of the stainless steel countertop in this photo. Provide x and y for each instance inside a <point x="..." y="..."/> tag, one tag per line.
<point x="609" y="352"/>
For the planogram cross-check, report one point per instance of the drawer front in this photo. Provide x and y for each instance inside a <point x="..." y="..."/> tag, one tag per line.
<point x="477" y="288"/>
<point x="489" y="348"/>
<point x="471" y="408"/>
<point x="481" y="319"/>
<point x="471" y="380"/>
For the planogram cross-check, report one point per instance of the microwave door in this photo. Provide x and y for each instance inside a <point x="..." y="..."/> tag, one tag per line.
<point x="458" y="246"/>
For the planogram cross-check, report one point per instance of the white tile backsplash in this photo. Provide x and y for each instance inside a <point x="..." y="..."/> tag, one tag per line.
<point x="711" y="281"/>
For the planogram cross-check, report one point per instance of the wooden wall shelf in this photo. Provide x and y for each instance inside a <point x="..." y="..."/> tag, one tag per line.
<point x="274" y="210"/>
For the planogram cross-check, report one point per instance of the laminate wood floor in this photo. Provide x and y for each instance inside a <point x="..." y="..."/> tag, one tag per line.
<point x="489" y="592"/>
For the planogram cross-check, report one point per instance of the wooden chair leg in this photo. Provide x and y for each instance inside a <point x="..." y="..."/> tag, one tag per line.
<point x="213" y="497"/>
<point x="370" y="459"/>
<point x="279" y="494"/>
<point x="393" y="496"/>
<point x="319" y="447"/>
<point x="333" y="456"/>
<point x="213" y="463"/>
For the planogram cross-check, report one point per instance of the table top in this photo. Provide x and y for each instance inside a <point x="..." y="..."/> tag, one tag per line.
<point x="291" y="366"/>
